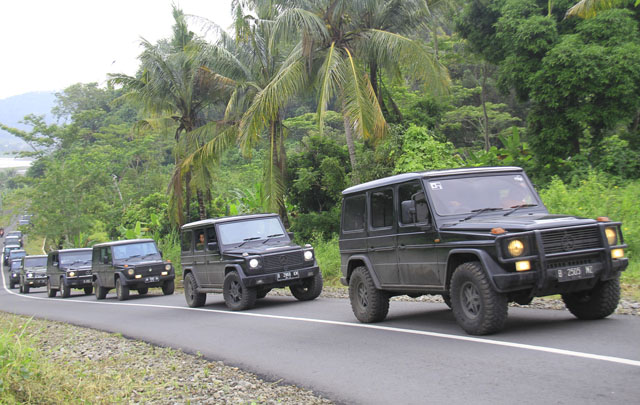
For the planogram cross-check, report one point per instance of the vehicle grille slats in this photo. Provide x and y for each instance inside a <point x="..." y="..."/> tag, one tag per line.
<point x="282" y="260"/>
<point x="571" y="240"/>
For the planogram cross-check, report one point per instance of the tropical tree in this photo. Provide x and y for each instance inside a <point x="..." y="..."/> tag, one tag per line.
<point x="336" y="41"/>
<point x="176" y="89"/>
<point x="590" y="8"/>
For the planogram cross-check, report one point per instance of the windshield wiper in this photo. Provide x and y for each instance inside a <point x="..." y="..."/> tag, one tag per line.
<point x="272" y="236"/>
<point x="131" y="257"/>
<point x="245" y="240"/>
<point x="517" y="207"/>
<point x="480" y="211"/>
<point x="148" y="254"/>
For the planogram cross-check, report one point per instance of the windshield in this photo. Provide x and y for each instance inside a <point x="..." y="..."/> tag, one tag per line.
<point x="467" y="195"/>
<point x="141" y="250"/>
<point x="256" y="229"/>
<point x="15" y="255"/>
<point x="15" y="265"/>
<point x="72" y="258"/>
<point x="35" y="262"/>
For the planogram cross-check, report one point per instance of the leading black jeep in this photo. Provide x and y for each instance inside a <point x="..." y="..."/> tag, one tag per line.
<point x="480" y="237"/>
<point x="127" y="265"/>
<point x="244" y="257"/>
<point x="69" y="269"/>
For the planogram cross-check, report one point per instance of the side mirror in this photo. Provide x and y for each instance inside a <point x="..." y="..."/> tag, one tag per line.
<point x="212" y="246"/>
<point x="290" y="235"/>
<point x="408" y="213"/>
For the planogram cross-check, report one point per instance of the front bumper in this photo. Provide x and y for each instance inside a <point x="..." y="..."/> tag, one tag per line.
<point x="36" y="281"/>
<point x="148" y="281"/>
<point x="277" y="279"/>
<point x="79" y="281"/>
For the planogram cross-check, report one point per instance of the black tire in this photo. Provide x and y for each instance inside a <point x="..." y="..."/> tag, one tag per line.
<point x="262" y="292"/>
<point x="143" y="290"/>
<point x="101" y="292"/>
<point x="12" y="285"/>
<point x="122" y="291"/>
<point x="367" y="302"/>
<point x="88" y="290"/>
<point x="236" y="295"/>
<point x="310" y="289"/>
<point x="191" y="294"/>
<point x="20" y="287"/>
<point x="168" y="287"/>
<point x="477" y="307"/>
<point x="447" y="299"/>
<point x="65" y="290"/>
<point x="25" y="289"/>
<point x="51" y="292"/>
<point x="597" y="303"/>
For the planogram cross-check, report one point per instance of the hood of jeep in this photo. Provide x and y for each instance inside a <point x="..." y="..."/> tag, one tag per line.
<point x="517" y="223"/>
<point x="261" y="249"/>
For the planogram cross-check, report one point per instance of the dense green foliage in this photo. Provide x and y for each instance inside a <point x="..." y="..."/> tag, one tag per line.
<point x="306" y="98"/>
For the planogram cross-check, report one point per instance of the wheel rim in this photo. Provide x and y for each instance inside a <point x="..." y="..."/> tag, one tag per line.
<point x="119" y="288"/>
<point x="235" y="291"/>
<point x="470" y="300"/>
<point x="363" y="297"/>
<point x="189" y="290"/>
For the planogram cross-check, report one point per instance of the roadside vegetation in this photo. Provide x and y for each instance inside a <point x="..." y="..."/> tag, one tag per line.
<point x="302" y="99"/>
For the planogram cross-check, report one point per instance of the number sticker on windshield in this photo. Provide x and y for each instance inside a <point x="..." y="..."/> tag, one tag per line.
<point x="436" y="185"/>
<point x="518" y="178"/>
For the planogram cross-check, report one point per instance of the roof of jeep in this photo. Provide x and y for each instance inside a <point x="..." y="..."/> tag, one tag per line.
<point x="399" y="178"/>
<point x="122" y="242"/>
<point x="70" y="250"/>
<point x="213" y="221"/>
<point x="35" y="256"/>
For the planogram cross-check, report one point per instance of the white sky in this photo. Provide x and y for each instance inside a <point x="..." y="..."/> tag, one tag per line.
<point x="47" y="45"/>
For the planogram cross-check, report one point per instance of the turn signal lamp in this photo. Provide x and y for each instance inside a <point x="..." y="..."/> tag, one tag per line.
<point x="603" y="219"/>
<point x="523" y="265"/>
<point x="617" y="253"/>
<point x="498" y="231"/>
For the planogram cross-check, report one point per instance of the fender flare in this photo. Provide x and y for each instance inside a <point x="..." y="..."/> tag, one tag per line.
<point x="488" y="264"/>
<point x="368" y="265"/>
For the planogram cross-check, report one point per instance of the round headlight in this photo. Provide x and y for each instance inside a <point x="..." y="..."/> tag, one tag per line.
<point x="612" y="236"/>
<point x="167" y="267"/>
<point x="130" y="272"/>
<point x="253" y="263"/>
<point x="71" y="274"/>
<point x="308" y="255"/>
<point x="516" y="248"/>
<point x="29" y="275"/>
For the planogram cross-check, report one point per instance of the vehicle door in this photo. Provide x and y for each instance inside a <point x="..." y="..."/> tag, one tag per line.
<point x="105" y="264"/>
<point x="353" y="236"/>
<point x="200" y="256"/>
<point x="381" y="243"/>
<point x="54" y="275"/>
<point x="215" y="269"/>
<point x="417" y="253"/>
<point x="186" y="256"/>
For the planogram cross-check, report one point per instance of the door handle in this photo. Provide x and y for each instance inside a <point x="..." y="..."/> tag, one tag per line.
<point x="199" y="262"/>
<point x="402" y="247"/>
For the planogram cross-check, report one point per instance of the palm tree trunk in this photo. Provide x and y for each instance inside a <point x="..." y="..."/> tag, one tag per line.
<point x="187" y="192"/>
<point x="282" y="165"/>
<point x="351" y="147"/>
<point x="202" y="210"/>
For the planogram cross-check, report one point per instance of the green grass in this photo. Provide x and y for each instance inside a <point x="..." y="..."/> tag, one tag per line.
<point x="328" y="257"/>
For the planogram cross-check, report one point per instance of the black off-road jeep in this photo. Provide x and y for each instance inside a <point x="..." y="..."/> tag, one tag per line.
<point x="33" y="273"/>
<point x="14" y="272"/>
<point x="130" y="265"/>
<point x="69" y="269"/>
<point x="244" y="257"/>
<point x="480" y="237"/>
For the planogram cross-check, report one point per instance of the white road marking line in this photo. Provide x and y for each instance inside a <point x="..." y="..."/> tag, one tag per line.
<point x="590" y="356"/>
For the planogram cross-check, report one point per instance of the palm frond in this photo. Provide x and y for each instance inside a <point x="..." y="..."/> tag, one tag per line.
<point x="329" y="77"/>
<point x="589" y="8"/>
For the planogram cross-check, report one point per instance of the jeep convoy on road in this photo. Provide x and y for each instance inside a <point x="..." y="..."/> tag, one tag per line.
<point x="479" y="237"/>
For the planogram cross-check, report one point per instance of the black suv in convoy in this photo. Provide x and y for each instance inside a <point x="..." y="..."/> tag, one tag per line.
<point x="33" y="273"/>
<point x="244" y="257"/>
<point x="14" y="272"/>
<point x="14" y="234"/>
<point x="130" y="265"/>
<point x="6" y="251"/>
<point x="67" y="269"/>
<point x="480" y="237"/>
<point x="13" y="253"/>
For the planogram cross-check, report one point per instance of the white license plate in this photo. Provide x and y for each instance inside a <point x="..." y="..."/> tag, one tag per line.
<point x="152" y="279"/>
<point x="575" y="273"/>
<point x="87" y="281"/>
<point x="287" y="275"/>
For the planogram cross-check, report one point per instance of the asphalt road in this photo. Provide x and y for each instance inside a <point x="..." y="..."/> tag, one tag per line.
<point x="417" y="356"/>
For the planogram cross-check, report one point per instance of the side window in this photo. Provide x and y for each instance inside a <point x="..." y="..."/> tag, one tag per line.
<point x="212" y="240"/>
<point x="105" y="255"/>
<point x="185" y="241"/>
<point x="382" y="208"/>
<point x="200" y="240"/>
<point x="353" y="215"/>
<point x="409" y="193"/>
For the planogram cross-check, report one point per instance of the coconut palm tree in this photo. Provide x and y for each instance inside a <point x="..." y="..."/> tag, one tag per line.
<point x="589" y="8"/>
<point x="176" y="89"/>
<point x="336" y="40"/>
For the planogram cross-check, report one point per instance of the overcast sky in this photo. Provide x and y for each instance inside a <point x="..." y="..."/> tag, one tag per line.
<point x="47" y="45"/>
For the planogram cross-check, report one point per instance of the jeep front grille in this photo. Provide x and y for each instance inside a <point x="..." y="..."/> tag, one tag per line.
<point x="281" y="260"/>
<point x="580" y="261"/>
<point x="571" y="240"/>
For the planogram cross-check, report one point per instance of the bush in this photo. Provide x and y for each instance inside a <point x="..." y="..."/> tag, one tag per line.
<point x="169" y="244"/>
<point x="597" y="196"/>
<point x="328" y="257"/>
<point x="316" y="225"/>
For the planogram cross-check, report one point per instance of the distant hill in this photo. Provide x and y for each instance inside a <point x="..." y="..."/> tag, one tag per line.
<point x="13" y="110"/>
